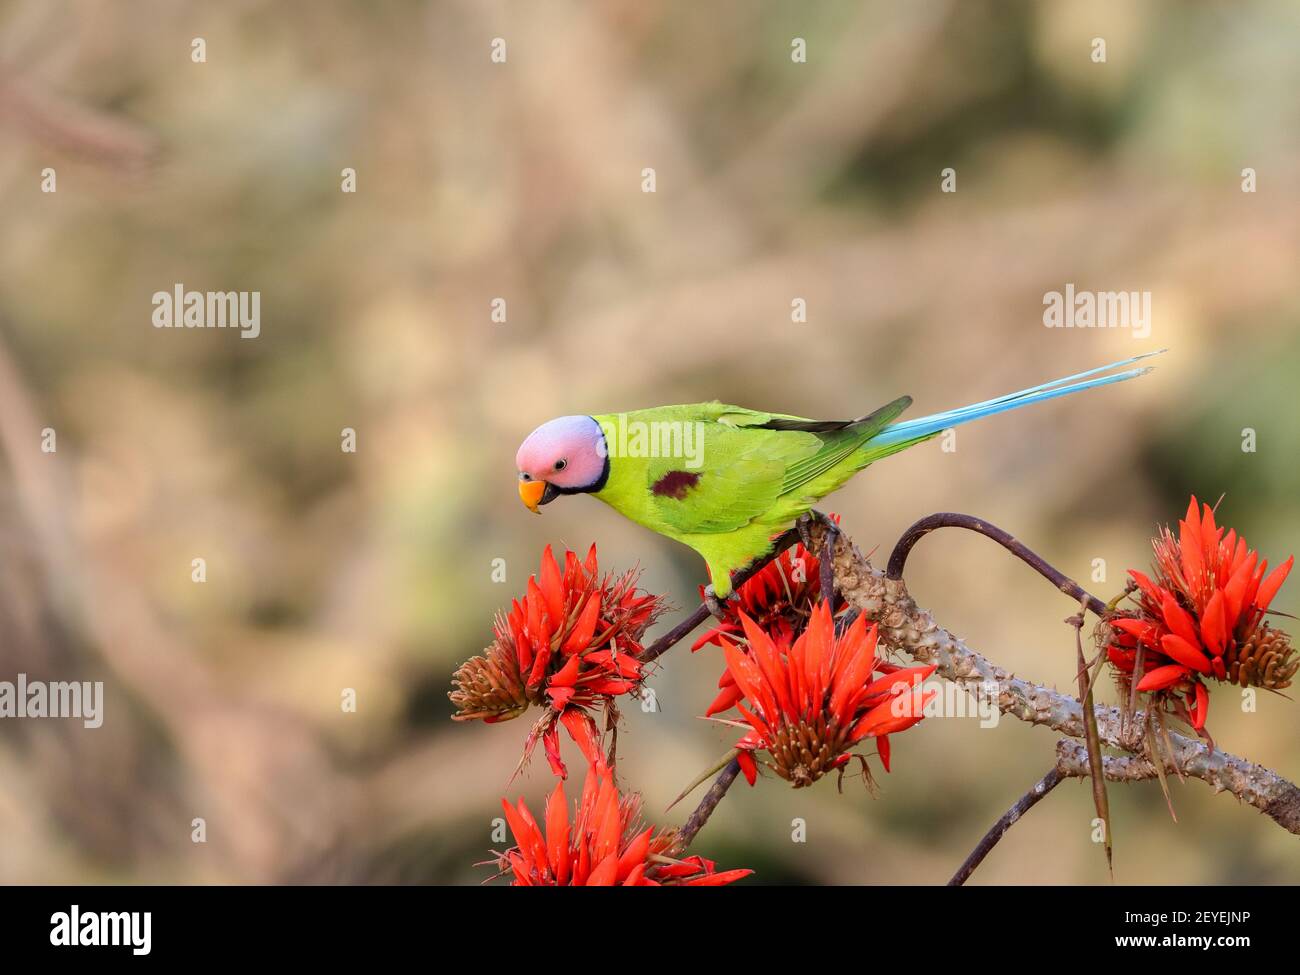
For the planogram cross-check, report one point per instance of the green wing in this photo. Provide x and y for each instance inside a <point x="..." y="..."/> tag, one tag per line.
<point x="742" y="476"/>
<point x="751" y="461"/>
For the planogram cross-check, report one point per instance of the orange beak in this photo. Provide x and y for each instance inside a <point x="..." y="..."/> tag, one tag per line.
<point x="530" y="493"/>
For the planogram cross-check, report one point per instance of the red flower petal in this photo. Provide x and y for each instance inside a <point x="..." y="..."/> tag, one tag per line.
<point x="1178" y="619"/>
<point x="551" y="745"/>
<point x="582" y="729"/>
<point x="1253" y="583"/>
<point x="606" y="872"/>
<point x="1269" y="587"/>
<point x="764" y="653"/>
<point x="894" y="715"/>
<point x="635" y="853"/>
<point x="760" y="726"/>
<point x="1234" y="593"/>
<point x="539" y="665"/>
<point x="585" y="628"/>
<point x="748" y="766"/>
<point x="727" y="697"/>
<point x="557" y="834"/>
<point x="849" y="682"/>
<point x="531" y="843"/>
<point x="1214" y="629"/>
<point x="567" y="675"/>
<point x="1202" y="707"/>
<point x="1123" y="659"/>
<point x="1144" y="630"/>
<point x="560" y="696"/>
<point x="552" y="588"/>
<point x="611" y="686"/>
<point x="718" y="879"/>
<point x="1190" y="542"/>
<point x="899" y="681"/>
<point x="1185" y="653"/>
<point x="750" y="678"/>
<point x="1209" y="536"/>
<point x="1162" y="677"/>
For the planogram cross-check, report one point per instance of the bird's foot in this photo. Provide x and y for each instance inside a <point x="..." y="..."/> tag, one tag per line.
<point x="716" y="606"/>
<point x="804" y="526"/>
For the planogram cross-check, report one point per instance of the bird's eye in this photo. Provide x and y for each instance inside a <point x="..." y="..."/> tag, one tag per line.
<point x="525" y="476"/>
<point x="561" y="464"/>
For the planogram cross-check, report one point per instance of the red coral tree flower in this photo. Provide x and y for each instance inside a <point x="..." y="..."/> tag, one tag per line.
<point x="809" y="702"/>
<point x="602" y="846"/>
<point x="570" y="645"/>
<point x="780" y="598"/>
<point x="1201" y="618"/>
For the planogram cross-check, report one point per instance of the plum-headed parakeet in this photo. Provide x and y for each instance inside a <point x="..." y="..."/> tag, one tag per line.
<point x="726" y="480"/>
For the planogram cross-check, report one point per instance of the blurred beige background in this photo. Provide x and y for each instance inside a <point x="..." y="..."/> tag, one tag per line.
<point x="521" y="180"/>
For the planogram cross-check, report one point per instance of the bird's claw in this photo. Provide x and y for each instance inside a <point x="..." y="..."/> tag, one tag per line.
<point x="716" y="606"/>
<point x="804" y="526"/>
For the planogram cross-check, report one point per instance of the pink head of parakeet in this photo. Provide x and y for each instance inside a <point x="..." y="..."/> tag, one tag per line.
<point x="566" y="455"/>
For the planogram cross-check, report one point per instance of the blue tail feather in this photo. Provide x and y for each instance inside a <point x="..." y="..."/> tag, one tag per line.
<point x="908" y="430"/>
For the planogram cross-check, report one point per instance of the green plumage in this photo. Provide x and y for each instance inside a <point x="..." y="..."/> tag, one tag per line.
<point x="726" y="480"/>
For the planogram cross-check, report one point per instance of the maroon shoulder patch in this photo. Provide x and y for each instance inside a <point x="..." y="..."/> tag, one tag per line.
<point x="675" y="484"/>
